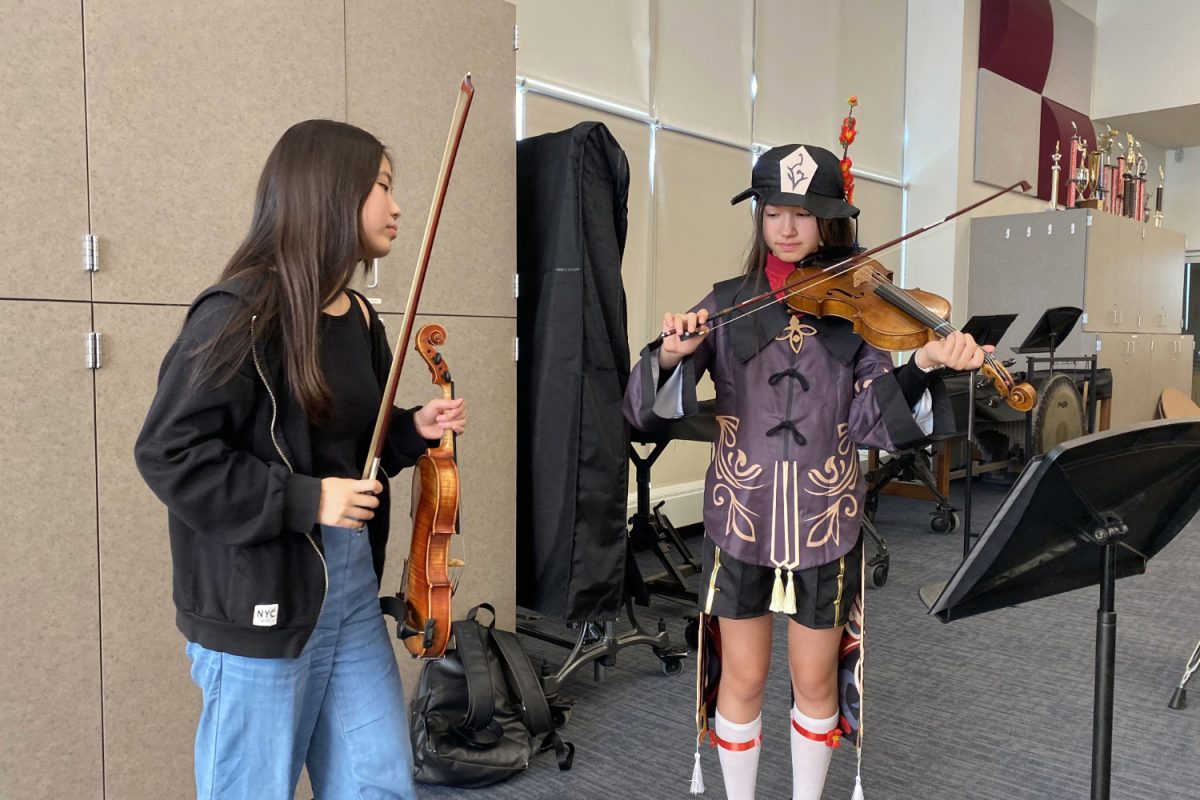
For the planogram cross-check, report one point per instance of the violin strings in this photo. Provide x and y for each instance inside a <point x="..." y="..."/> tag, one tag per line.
<point x="878" y="280"/>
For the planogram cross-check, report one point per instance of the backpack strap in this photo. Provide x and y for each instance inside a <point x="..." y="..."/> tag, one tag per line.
<point x="521" y="676"/>
<point x="470" y="642"/>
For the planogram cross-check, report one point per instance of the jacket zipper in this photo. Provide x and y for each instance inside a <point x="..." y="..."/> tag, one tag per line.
<point x="274" y="414"/>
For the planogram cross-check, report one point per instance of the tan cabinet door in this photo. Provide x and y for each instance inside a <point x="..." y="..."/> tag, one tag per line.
<point x="1162" y="281"/>
<point x="405" y="62"/>
<point x="43" y="154"/>
<point x="150" y="704"/>
<point x="184" y="102"/>
<point x="1128" y="356"/>
<point x="49" y="681"/>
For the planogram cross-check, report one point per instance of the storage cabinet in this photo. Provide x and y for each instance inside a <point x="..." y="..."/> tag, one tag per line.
<point x="1126" y="276"/>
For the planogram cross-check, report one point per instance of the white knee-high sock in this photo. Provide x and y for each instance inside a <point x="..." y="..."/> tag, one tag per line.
<point x="810" y="757"/>
<point x="738" y="747"/>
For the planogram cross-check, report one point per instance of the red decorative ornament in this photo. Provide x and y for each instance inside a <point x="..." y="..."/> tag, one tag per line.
<point x="846" y="137"/>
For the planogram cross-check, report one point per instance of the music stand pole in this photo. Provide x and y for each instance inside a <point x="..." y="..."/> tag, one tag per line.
<point x="1106" y="650"/>
<point x="969" y="469"/>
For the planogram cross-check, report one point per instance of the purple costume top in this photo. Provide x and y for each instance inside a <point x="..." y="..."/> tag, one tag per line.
<point x="796" y="396"/>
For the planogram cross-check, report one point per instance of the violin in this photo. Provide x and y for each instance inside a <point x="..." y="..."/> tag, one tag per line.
<point x="889" y="317"/>
<point x="428" y="587"/>
<point x="856" y="288"/>
<point x="425" y="627"/>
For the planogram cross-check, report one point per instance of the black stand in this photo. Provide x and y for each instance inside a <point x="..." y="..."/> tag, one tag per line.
<point x="984" y="330"/>
<point x="1050" y="330"/>
<point x="651" y="529"/>
<point x="1093" y="510"/>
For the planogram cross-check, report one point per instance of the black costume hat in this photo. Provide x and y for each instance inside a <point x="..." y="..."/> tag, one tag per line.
<point x="800" y="175"/>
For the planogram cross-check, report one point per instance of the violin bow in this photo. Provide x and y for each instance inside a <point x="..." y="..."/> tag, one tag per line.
<point x="790" y="288"/>
<point x="466" y="92"/>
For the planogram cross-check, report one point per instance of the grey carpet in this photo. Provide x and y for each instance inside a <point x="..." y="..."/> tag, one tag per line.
<point x="995" y="706"/>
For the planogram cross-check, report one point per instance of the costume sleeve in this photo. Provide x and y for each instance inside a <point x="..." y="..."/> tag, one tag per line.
<point x="654" y="395"/>
<point x="188" y="454"/>
<point x="882" y="416"/>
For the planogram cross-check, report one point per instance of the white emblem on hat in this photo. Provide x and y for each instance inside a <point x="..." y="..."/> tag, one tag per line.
<point x="796" y="171"/>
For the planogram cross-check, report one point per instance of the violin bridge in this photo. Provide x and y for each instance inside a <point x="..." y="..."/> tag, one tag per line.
<point x="456" y="562"/>
<point x="863" y="275"/>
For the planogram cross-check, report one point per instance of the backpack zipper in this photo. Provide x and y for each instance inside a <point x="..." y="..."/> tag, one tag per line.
<point x="274" y="414"/>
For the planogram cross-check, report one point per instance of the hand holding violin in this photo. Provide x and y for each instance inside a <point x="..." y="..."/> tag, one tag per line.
<point x="438" y="415"/>
<point x="673" y="347"/>
<point x="958" y="351"/>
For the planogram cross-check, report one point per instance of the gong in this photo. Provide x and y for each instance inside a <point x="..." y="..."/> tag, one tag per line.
<point x="1058" y="416"/>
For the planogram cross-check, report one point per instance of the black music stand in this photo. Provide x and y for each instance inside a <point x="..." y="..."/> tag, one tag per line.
<point x="984" y="330"/>
<point x="988" y="329"/>
<point x="1050" y="330"/>
<point x="1092" y="510"/>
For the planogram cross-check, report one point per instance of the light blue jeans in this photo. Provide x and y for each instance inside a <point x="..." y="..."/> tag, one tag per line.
<point x="338" y="707"/>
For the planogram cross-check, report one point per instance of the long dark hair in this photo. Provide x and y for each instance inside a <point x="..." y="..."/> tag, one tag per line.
<point x="302" y="249"/>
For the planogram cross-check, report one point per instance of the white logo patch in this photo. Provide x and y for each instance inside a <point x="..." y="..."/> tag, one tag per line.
<point x="266" y="615"/>
<point x="796" y="171"/>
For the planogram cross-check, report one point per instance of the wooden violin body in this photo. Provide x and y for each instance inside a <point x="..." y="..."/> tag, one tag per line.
<point x="889" y="317"/>
<point x="878" y="320"/>
<point x="428" y="586"/>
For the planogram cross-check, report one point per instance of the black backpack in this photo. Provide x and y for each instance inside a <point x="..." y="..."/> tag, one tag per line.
<point x="479" y="714"/>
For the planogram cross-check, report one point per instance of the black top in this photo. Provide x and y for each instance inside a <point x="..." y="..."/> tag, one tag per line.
<point x="340" y="445"/>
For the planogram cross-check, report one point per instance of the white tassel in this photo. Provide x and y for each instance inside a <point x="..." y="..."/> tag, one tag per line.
<point x="698" y="777"/>
<point x="858" y="795"/>
<point x="777" y="591"/>
<point x="789" y="597"/>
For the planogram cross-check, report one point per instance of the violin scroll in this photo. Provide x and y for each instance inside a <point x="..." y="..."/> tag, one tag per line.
<point x="429" y="338"/>
<point x="1020" y="396"/>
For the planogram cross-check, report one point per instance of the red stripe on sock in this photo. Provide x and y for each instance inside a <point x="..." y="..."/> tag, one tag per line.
<point x="831" y="738"/>
<point x="735" y="746"/>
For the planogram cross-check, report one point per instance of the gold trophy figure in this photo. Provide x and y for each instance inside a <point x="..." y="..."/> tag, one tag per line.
<point x="1054" y="170"/>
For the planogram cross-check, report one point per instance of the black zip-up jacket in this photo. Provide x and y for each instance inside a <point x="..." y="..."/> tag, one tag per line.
<point x="233" y="465"/>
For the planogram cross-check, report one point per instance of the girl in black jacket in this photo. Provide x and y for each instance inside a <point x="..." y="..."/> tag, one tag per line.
<point x="263" y="417"/>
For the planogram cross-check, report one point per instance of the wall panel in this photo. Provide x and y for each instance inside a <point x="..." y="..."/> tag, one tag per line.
<point x="43" y="158"/>
<point x="184" y="102"/>
<point x="147" y="755"/>
<point x="405" y="63"/>
<point x="599" y="49"/>
<point x="703" y="63"/>
<point x="50" y="708"/>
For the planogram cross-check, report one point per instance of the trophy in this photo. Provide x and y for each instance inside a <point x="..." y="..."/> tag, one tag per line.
<point x="1099" y="165"/>
<point x="1054" y="170"/>
<point x="1158" y="194"/>
<point x="1128" y="181"/>
<point x="1142" y="200"/>
<point x="1081" y="180"/>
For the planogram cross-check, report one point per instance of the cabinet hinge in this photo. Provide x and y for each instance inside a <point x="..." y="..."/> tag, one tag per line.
<point x="516" y="348"/>
<point x="516" y="285"/>
<point x="516" y="37"/>
<point x="1089" y="220"/>
<point x="93" y="350"/>
<point x="91" y="253"/>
